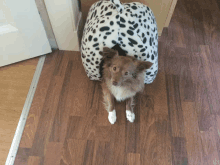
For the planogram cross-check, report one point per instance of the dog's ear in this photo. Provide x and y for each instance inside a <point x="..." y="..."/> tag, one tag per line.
<point x="142" y="65"/>
<point x="109" y="53"/>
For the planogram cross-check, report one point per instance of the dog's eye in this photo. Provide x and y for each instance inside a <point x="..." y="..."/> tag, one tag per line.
<point x="126" y="73"/>
<point x="134" y="75"/>
<point x="114" y="68"/>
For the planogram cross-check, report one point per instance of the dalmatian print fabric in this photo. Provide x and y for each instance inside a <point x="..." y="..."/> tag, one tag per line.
<point x="130" y="25"/>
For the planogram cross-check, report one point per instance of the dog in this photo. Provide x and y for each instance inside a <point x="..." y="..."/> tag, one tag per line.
<point x="123" y="77"/>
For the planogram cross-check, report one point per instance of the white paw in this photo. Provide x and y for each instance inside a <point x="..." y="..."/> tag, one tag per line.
<point x="130" y="116"/>
<point x="112" y="117"/>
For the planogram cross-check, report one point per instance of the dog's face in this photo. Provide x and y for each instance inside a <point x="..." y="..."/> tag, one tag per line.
<point x="122" y="70"/>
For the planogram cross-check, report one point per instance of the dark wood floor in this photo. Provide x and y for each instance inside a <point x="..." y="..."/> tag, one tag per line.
<point x="177" y="117"/>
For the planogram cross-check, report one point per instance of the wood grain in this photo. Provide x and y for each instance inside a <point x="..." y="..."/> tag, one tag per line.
<point x="175" y="108"/>
<point x="33" y="160"/>
<point x="155" y="124"/>
<point x="177" y="118"/>
<point x="23" y="155"/>
<point x="37" y="104"/>
<point x="133" y="159"/>
<point x="192" y="134"/>
<point x="15" y="81"/>
<point x="179" y="151"/>
<point x="73" y="151"/>
<point x="89" y="152"/>
<point x="53" y="153"/>
<point x="102" y="153"/>
<point x="49" y="110"/>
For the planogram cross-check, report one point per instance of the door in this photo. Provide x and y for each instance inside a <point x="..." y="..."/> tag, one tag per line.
<point x="22" y="35"/>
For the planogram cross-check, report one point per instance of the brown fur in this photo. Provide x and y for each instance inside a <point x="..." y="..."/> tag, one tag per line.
<point x="125" y="71"/>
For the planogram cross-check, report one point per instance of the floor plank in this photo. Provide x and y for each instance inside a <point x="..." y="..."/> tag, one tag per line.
<point x="53" y="153"/>
<point x="133" y="159"/>
<point x="38" y="102"/>
<point x="192" y="134"/>
<point x="15" y="81"/>
<point x="33" y="160"/>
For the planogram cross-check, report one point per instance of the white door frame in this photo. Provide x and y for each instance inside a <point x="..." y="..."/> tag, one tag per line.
<point x="65" y="18"/>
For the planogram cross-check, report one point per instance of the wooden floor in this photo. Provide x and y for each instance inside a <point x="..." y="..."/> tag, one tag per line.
<point x="177" y="117"/>
<point x="15" y="81"/>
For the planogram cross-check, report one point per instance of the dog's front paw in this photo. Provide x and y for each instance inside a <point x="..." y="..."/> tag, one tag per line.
<point x="130" y="116"/>
<point x="112" y="117"/>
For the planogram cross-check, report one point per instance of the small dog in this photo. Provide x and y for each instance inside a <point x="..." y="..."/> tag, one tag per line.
<point x="123" y="77"/>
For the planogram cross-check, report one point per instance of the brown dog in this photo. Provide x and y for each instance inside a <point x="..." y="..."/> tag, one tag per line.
<point x="123" y="77"/>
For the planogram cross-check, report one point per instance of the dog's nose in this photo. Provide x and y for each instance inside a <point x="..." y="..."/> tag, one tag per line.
<point x="114" y="83"/>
